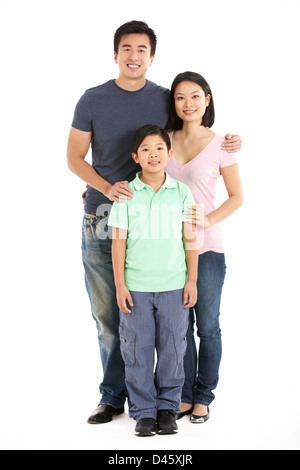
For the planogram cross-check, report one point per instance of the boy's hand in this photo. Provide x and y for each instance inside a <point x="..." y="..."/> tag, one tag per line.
<point x="190" y="294"/>
<point x="232" y="143"/>
<point x="123" y="296"/>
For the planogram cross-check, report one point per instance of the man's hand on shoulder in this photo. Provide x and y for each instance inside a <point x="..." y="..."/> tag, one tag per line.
<point x="119" y="191"/>
<point x="232" y="143"/>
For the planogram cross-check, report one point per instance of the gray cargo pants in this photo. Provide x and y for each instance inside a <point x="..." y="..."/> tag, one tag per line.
<point x="157" y="322"/>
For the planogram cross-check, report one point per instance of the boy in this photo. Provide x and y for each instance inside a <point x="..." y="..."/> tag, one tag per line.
<point x="155" y="260"/>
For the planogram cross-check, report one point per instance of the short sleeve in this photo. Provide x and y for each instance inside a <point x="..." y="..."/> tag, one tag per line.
<point x="82" y="119"/>
<point x="118" y="216"/>
<point x="188" y="201"/>
<point x="227" y="159"/>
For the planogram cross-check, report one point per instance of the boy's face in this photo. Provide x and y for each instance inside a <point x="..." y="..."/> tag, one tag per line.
<point x="153" y="154"/>
<point x="134" y="56"/>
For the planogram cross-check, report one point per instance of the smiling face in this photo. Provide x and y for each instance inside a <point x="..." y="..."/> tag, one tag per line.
<point x="134" y="56"/>
<point x="190" y="101"/>
<point x="153" y="154"/>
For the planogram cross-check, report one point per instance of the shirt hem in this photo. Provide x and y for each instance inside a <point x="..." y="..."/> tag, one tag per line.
<point x="133" y="288"/>
<point x="216" y="250"/>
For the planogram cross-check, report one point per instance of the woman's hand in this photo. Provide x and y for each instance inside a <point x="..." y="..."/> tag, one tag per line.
<point x="196" y="217"/>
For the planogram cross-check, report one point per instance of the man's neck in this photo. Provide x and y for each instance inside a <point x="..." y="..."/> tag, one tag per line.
<point x="131" y="85"/>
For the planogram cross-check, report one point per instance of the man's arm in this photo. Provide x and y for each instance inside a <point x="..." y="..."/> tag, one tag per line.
<point x="191" y="253"/>
<point x="118" y="259"/>
<point x="78" y="147"/>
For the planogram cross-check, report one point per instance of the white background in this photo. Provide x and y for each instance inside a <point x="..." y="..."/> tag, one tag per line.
<point x="52" y="51"/>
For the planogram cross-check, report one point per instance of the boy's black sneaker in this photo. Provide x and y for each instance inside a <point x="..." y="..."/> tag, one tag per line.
<point x="145" y="427"/>
<point x="166" y="423"/>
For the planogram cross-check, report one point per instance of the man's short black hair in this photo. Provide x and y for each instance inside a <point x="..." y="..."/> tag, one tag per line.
<point x="209" y="116"/>
<point x="146" y="130"/>
<point x="135" y="27"/>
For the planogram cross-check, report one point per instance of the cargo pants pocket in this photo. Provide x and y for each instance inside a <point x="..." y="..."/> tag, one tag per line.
<point x="127" y="345"/>
<point x="180" y="342"/>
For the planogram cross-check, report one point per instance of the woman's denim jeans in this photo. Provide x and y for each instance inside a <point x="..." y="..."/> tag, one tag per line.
<point x="202" y="370"/>
<point x="99" y="278"/>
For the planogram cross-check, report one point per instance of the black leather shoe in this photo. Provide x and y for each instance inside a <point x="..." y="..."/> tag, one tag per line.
<point x="166" y="423"/>
<point x="185" y="413"/>
<point x="200" y="419"/>
<point x="104" y="413"/>
<point x="145" y="427"/>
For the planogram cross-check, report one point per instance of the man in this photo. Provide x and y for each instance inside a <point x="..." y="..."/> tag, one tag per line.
<point x="106" y="118"/>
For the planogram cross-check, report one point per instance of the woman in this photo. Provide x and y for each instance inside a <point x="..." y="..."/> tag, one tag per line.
<point x="198" y="161"/>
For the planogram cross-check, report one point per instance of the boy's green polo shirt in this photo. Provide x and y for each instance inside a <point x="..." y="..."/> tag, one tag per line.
<point x="155" y="256"/>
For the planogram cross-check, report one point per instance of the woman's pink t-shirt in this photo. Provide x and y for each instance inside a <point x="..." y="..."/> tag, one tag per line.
<point x="201" y="175"/>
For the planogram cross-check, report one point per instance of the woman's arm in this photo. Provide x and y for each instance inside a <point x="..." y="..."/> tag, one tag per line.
<point x="118" y="259"/>
<point x="232" y="180"/>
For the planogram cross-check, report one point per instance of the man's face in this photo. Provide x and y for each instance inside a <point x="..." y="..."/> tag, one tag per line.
<point x="134" y="56"/>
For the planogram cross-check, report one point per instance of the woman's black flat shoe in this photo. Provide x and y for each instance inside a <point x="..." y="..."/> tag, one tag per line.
<point x="185" y="413"/>
<point x="200" y="419"/>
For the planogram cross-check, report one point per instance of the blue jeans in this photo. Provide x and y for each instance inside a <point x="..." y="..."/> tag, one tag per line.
<point x="202" y="369"/>
<point x="157" y="322"/>
<point x="99" y="279"/>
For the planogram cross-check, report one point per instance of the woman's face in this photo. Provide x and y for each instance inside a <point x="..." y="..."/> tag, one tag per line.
<point x="190" y="101"/>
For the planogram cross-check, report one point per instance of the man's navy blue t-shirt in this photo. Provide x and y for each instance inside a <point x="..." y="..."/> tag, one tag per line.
<point x="113" y="115"/>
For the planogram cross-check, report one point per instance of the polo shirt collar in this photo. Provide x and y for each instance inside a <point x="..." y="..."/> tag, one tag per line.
<point x="138" y="184"/>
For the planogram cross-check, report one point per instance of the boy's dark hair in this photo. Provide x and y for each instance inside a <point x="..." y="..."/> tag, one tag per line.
<point x="209" y="116"/>
<point x="135" y="27"/>
<point x="146" y="130"/>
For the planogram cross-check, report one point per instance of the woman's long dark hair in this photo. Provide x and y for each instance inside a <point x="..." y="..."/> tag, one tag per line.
<point x="209" y="116"/>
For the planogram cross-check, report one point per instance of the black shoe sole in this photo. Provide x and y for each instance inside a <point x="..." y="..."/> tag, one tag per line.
<point x="145" y="434"/>
<point x="199" y="419"/>
<point x="166" y="431"/>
